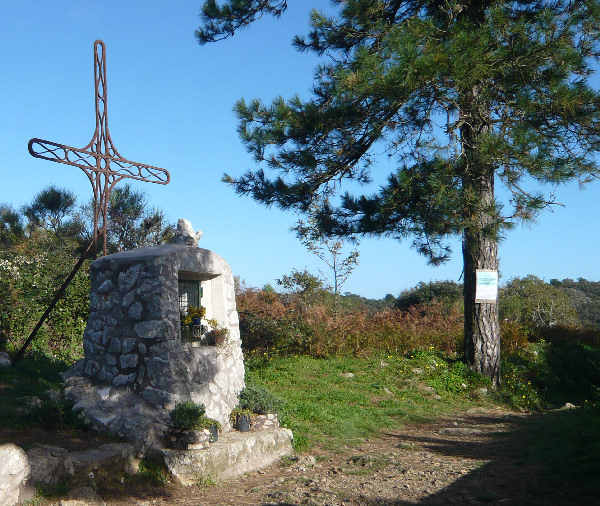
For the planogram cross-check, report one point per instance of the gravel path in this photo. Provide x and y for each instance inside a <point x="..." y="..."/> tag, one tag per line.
<point x="471" y="458"/>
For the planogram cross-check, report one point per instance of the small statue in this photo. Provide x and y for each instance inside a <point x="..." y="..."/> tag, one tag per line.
<point x="185" y="234"/>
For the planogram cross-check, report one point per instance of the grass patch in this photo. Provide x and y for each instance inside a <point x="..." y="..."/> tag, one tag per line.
<point x="150" y="473"/>
<point x="205" y="482"/>
<point x="335" y="401"/>
<point x="53" y="490"/>
<point x="31" y="377"/>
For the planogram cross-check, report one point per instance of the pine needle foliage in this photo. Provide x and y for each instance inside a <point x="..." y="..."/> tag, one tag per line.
<point x="398" y="73"/>
<point x="459" y="95"/>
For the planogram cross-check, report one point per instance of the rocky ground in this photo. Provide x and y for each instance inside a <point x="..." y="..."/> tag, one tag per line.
<point x="472" y="458"/>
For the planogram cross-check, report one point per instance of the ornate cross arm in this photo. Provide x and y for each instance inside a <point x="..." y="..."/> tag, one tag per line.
<point x="90" y="162"/>
<point x="95" y="160"/>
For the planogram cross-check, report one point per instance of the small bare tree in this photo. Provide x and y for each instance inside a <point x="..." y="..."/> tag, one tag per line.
<point x="332" y="251"/>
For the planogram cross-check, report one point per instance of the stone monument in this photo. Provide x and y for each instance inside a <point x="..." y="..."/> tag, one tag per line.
<point x="137" y="364"/>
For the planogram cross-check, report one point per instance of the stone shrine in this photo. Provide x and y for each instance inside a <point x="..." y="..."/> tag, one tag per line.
<point x="137" y="364"/>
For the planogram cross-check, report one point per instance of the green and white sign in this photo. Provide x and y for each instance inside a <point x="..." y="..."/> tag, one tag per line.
<point x="486" y="286"/>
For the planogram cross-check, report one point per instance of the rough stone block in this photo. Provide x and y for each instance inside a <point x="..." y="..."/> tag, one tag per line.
<point x="128" y="344"/>
<point x="129" y="361"/>
<point x="156" y="366"/>
<point x="117" y="314"/>
<point x="105" y="287"/>
<point x="156" y="397"/>
<point x="94" y="302"/>
<point x="188" y="439"/>
<point x="115" y="345"/>
<point x="135" y="311"/>
<point x="107" y="374"/>
<point x="263" y="422"/>
<point x="50" y="463"/>
<point x="93" y="336"/>
<point x="124" y="379"/>
<point x="149" y="329"/>
<point x="47" y="463"/>
<point x="94" y="322"/>
<point x="15" y="476"/>
<point x="82" y="496"/>
<point x="128" y="299"/>
<point x="129" y="278"/>
<point x="88" y="348"/>
<point x="109" y="320"/>
<point x="91" y="367"/>
<point x="234" y="454"/>
<point x="103" y="275"/>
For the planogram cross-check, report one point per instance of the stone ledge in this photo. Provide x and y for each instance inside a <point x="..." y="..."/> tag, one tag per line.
<point x="50" y="464"/>
<point x="235" y="453"/>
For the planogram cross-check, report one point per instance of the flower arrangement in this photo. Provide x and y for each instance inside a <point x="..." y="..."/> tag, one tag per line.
<point x="193" y="315"/>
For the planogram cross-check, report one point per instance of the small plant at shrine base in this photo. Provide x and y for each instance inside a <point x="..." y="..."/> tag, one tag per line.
<point x="237" y="411"/>
<point x="258" y="400"/>
<point x="191" y="416"/>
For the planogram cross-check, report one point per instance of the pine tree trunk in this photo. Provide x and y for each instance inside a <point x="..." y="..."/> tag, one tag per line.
<point x="480" y="236"/>
<point x="480" y="251"/>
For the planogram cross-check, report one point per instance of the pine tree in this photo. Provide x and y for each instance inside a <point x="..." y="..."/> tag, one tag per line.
<point x="462" y="95"/>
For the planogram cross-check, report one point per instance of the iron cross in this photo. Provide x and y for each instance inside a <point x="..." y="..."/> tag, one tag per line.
<point x="99" y="158"/>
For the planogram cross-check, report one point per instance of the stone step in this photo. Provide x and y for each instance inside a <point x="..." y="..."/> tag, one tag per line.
<point x="50" y="464"/>
<point x="235" y="453"/>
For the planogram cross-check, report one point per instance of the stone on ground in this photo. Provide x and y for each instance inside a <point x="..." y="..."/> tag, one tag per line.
<point x="15" y="476"/>
<point x="49" y="464"/>
<point x="4" y="359"/>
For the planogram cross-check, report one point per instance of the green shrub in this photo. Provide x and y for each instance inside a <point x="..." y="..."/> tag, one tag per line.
<point x="548" y="374"/>
<point x="188" y="415"/>
<point x="448" y="292"/>
<point x="532" y="302"/>
<point x="259" y="400"/>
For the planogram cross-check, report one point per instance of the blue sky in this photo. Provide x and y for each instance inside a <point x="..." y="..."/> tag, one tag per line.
<point x="170" y="105"/>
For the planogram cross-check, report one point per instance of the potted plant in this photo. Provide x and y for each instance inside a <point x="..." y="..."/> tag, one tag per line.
<point x="259" y="405"/>
<point x="240" y="419"/>
<point x="191" y="322"/>
<point x="196" y="314"/>
<point x="216" y="335"/>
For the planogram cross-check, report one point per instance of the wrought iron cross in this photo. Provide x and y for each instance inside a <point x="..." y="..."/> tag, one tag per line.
<point x="96" y="158"/>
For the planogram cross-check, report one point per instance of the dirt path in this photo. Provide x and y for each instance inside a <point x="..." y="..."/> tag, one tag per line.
<point x="472" y="458"/>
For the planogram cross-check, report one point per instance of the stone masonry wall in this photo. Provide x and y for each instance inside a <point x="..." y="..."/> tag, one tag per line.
<point x="136" y="368"/>
<point x="132" y="309"/>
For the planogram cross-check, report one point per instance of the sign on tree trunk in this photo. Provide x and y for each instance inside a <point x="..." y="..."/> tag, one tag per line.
<point x="486" y="286"/>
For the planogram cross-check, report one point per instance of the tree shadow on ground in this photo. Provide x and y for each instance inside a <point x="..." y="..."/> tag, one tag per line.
<point x="544" y="459"/>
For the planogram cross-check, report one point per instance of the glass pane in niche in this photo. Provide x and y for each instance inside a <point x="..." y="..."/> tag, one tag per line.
<point x="189" y="295"/>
